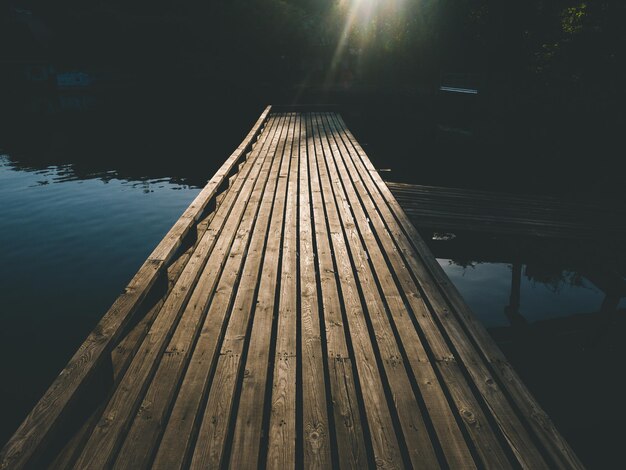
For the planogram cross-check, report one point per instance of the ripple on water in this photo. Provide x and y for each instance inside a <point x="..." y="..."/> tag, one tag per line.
<point x="67" y="249"/>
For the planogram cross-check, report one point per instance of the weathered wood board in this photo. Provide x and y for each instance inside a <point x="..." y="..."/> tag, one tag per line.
<point x="304" y="324"/>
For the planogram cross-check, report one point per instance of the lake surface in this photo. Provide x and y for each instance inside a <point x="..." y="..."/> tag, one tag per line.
<point x="550" y="308"/>
<point x="90" y="184"/>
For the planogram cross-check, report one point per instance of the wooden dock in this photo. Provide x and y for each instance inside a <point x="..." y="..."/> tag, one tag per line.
<point x="510" y="214"/>
<point x="292" y="317"/>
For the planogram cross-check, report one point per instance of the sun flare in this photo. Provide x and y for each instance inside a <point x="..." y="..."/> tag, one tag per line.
<point x="363" y="23"/>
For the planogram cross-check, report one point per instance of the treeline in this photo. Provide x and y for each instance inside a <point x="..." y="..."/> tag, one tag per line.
<point x="568" y="44"/>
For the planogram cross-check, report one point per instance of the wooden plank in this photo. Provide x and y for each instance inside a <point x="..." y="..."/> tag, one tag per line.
<point x="123" y="353"/>
<point x="488" y="380"/>
<point x="471" y="207"/>
<point x="212" y="288"/>
<point x="408" y="413"/>
<point x="502" y="213"/>
<point x="509" y="424"/>
<point x="450" y="438"/>
<point x="170" y="243"/>
<point x="539" y="204"/>
<point x="348" y="431"/>
<point x="470" y="210"/>
<point x="152" y="415"/>
<point x="248" y="432"/>
<point x="30" y="438"/>
<point x="211" y="375"/>
<point x="383" y="438"/>
<point x="465" y="406"/>
<point x="186" y="416"/>
<point x="106" y="437"/>
<point x="315" y="427"/>
<point x="438" y="223"/>
<point x="558" y="449"/>
<point x="505" y="221"/>
<point x="282" y="427"/>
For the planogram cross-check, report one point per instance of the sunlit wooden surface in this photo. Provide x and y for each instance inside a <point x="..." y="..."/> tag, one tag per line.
<point x="293" y="317"/>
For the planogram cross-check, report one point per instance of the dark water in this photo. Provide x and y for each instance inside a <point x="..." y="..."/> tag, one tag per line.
<point x="89" y="184"/>
<point x="69" y="246"/>
<point x="553" y="309"/>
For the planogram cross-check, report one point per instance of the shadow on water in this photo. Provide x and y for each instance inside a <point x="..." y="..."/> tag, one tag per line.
<point x="140" y="134"/>
<point x="182" y="133"/>
<point x="91" y="182"/>
<point x="184" y="130"/>
<point x="479" y="142"/>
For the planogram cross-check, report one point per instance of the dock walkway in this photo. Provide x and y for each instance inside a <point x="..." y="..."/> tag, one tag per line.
<point x="291" y="317"/>
<point x="510" y="214"/>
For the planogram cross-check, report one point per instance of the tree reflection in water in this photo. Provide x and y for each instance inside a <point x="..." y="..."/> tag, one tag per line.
<point x="558" y="311"/>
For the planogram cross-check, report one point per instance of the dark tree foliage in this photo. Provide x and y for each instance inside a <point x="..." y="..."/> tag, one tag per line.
<point x="574" y="46"/>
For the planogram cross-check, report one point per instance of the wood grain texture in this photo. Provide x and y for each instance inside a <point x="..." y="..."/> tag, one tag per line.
<point x="465" y="405"/>
<point x="414" y="431"/>
<point x="282" y="426"/>
<point x="304" y="324"/>
<point x="350" y="440"/>
<point x="203" y="268"/>
<point x="31" y="436"/>
<point x="248" y="432"/>
<point x="386" y="448"/>
<point x="455" y="449"/>
<point x="561" y="454"/>
<point x="123" y="353"/>
<point x="492" y="212"/>
<point x="215" y="421"/>
<point x="315" y="426"/>
<point x="218" y="280"/>
<point x="213" y="285"/>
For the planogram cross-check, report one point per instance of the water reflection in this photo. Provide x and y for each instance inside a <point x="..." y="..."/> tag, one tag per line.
<point x="509" y="295"/>
<point x="89" y="184"/>
<point x="89" y="187"/>
<point x="53" y="103"/>
<point x="69" y="243"/>
<point x="133" y="135"/>
<point x="558" y="311"/>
